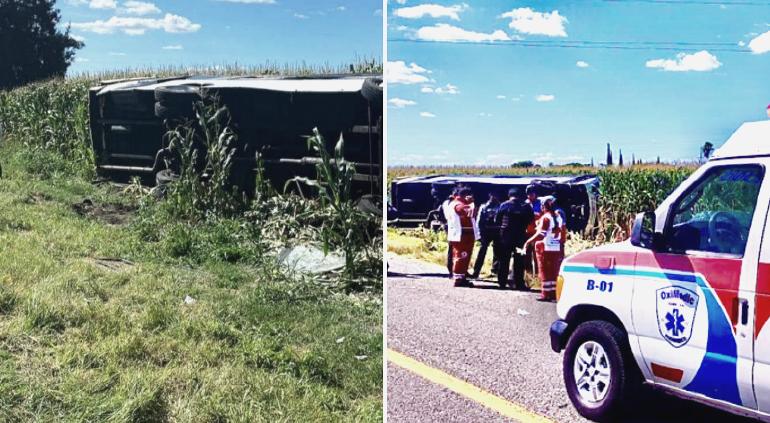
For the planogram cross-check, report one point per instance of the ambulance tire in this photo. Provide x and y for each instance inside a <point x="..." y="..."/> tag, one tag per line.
<point x="624" y="378"/>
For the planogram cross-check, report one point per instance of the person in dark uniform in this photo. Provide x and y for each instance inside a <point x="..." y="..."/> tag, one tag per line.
<point x="490" y="233"/>
<point x="513" y="217"/>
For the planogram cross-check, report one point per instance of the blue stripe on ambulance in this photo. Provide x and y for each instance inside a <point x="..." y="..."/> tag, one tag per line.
<point x="717" y="375"/>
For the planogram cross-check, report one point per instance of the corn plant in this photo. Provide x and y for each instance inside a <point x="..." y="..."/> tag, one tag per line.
<point x="334" y="177"/>
<point x="209" y="140"/>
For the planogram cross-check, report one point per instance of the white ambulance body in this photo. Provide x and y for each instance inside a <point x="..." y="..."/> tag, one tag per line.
<point x="684" y="304"/>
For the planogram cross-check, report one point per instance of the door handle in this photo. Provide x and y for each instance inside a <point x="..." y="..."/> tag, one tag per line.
<point x="743" y="311"/>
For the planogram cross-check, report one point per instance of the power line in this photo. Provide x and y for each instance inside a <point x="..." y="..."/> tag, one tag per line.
<point x="606" y="45"/>
<point x="697" y="2"/>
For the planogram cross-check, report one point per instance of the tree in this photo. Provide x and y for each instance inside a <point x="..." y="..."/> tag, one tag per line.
<point x="633" y="159"/>
<point x="620" y="158"/>
<point x="592" y="162"/>
<point x="658" y="160"/>
<point x="523" y="163"/>
<point x="707" y="150"/>
<point x="609" y="155"/>
<point x="32" y="47"/>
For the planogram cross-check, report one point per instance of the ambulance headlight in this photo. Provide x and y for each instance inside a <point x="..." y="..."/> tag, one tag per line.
<point x="559" y="286"/>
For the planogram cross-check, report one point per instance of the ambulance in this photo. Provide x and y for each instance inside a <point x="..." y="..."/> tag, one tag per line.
<point x="683" y="305"/>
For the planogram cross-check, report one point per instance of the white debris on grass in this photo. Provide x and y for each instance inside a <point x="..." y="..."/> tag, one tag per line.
<point x="340" y="340"/>
<point x="310" y="259"/>
<point x="188" y="300"/>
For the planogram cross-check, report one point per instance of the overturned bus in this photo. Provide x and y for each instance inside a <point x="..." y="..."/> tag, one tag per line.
<point x="416" y="200"/>
<point x="271" y="116"/>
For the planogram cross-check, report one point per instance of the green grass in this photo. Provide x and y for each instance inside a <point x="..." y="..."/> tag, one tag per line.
<point x="93" y="281"/>
<point x="84" y="342"/>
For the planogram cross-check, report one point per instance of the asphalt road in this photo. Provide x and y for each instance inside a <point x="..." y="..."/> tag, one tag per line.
<point x="496" y="340"/>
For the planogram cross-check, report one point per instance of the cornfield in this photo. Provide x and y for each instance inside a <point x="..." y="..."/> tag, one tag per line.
<point x="623" y="191"/>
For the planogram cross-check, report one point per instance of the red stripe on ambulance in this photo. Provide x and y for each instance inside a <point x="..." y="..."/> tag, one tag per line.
<point x="763" y="297"/>
<point x="668" y="373"/>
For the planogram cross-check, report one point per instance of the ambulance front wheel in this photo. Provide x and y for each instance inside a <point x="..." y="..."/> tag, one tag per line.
<point x="598" y="370"/>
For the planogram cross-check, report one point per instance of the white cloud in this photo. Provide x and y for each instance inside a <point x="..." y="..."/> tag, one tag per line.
<point x="447" y="89"/>
<point x="582" y="64"/>
<point x="760" y="44"/>
<point x="549" y="157"/>
<point x="528" y="21"/>
<point x="103" y="4"/>
<point x="500" y="97"/>
<point x="116" y="53"/>
<point x="482" y="114"/>
<point x="341" y="8"/>
<point x="701" y="61"/>
<point x="173" y="47"/>
<point x="446" y="32"/>
<point x="432" y="10"/>
<point x="81" y="60"/>
<point x="400" y="103"/>
<point x="138" y="26"/>
<point x="399" y="73"/>
<point x="250" y="1"/>
<point x="300" y="16"/>
<point x="545" y="97"/>
<point x="401" y="1"/>
<point x="78" y="37"/>
<point x="140" y="8"/>
<point x="427" y="115"/>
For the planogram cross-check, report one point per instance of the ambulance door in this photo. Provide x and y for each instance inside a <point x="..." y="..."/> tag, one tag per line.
<point x="761" y="326"/>
<point x="688" y="288"/>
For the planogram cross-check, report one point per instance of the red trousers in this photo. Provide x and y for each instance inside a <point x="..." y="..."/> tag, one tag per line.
<point x="548" y="263"/>
<point x="461" y="254"/>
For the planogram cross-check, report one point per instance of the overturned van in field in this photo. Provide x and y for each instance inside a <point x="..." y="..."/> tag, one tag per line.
<point x="415" y="200"/>
<point x="271" y="116"/>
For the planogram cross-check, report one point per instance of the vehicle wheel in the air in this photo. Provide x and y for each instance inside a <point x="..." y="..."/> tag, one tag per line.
<point x="599" y="371"/>
<point x="178" y="95"/>
<point x="372" y="91"/>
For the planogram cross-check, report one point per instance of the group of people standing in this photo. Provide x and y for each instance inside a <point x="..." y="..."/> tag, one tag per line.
<point x="516" y="228"/>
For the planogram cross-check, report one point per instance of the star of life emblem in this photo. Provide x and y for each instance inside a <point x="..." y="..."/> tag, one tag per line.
<point x="676" y="307"/>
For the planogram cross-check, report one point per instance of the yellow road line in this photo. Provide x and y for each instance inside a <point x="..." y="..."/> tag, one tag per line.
<point x="487" y="399"/>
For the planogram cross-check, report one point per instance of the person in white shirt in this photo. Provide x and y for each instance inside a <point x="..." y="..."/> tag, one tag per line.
<point x="548" y="247"/>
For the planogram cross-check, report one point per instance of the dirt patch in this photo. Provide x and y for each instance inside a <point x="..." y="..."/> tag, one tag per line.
<point x="111" y="264"/>
<point x="112" y="214"/>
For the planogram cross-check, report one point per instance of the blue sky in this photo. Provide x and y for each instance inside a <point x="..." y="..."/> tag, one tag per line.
<point x="127" y="33"/>
<point x="483" y="97"/>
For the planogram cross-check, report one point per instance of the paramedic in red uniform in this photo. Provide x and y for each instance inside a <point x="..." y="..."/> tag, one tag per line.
<point x="547" y="242"/>
<point x="462" y="234"/>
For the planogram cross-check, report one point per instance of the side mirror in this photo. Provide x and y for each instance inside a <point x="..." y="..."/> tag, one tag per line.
<point x="643" y="231"/>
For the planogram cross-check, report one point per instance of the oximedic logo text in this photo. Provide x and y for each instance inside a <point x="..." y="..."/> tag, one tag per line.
<point x="686" y="296"/>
